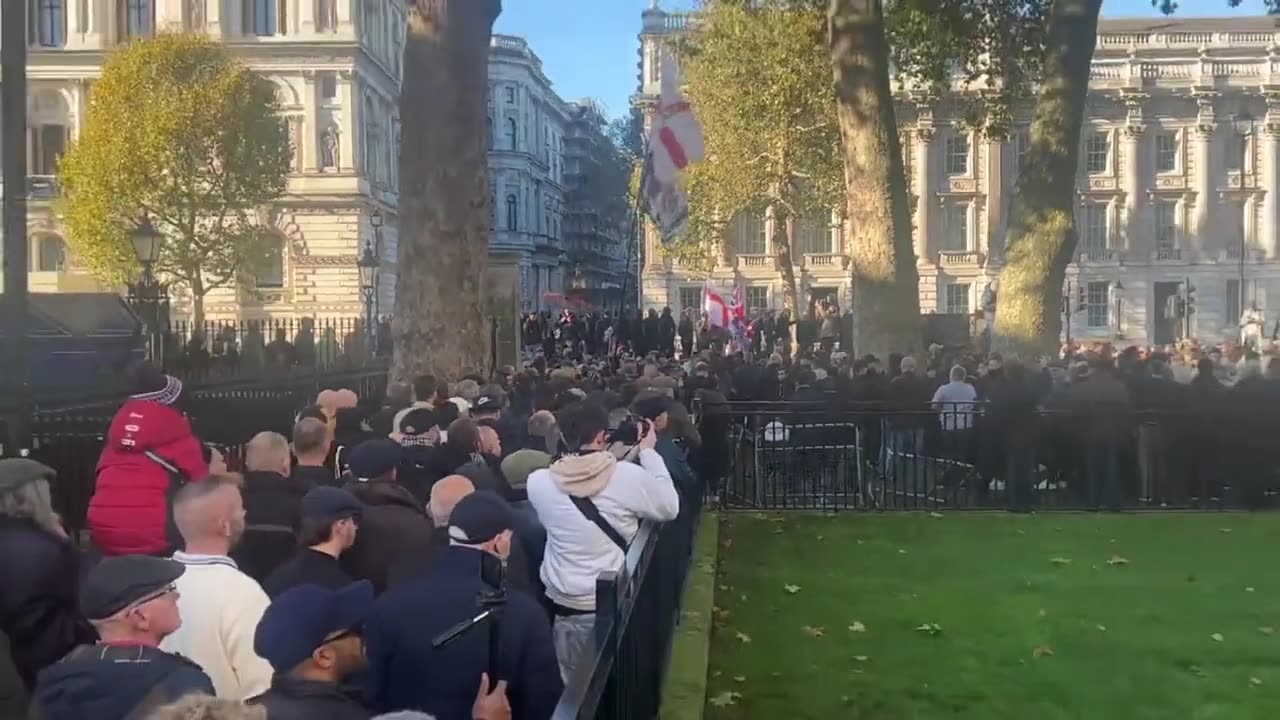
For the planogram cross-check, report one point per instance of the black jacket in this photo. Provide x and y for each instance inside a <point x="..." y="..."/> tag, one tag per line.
<point x="272" y="517"/>
<point x="314" y="475"/>
<point x="293" y="698"/>
<point x="39" y="596"/>
<point x="307" y="567"/>
<point x="406" y="673"/>
<point x="107" y="682"/>
<point x="394" y="524"/>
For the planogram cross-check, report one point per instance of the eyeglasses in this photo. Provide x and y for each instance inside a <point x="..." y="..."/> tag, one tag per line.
<point x="166" y="590"/>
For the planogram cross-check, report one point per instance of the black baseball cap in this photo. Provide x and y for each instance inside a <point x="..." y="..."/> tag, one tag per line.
<point x="303" y="618"/>
<point x="479" y="518"/>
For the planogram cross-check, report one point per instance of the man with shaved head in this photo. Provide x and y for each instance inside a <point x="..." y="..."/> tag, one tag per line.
<point x="312" y="440"/>
<point x="220" y="605"/>
<point x="444" y="495"/>
<point x="272" y="502"/>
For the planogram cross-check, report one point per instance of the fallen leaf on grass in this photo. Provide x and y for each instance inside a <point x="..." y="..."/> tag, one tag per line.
<point x="744" y="637"/>
<point x="739" y="678"/>
<point x="725" y="698"/>
<point x="935" y="514"/>
<point x="777" y="530"/>
<point x="1101" y="628"/>
<point x="859" y="542"/>
<point x="1224" y="530"/>
<point x="726" y="543"/>
<point x="930" y="629"/>
<point x="724" y="588"/>
<point x="1254" y="681"/>
<point x="1216" y="637"/>
<point x="1060" y="561"/>
<point x="1117" y="560"/>
<point x="1267" y="631"/>
<point x="902" y="551"/>
<point x="1248" y="589"/>
<point x="819" y="538"/>
<point x="791" y="589"/>
<point x="857" y="627"/>
<point x="1043" y="613"/>
<point x="861" y="658"/>
<point x="1040" y="651"/>
<point x="814" y="632"/>
<point x="1197" y="671"/>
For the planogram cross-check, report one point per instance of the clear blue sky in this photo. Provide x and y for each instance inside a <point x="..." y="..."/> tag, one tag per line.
<point x="589" y="48"/>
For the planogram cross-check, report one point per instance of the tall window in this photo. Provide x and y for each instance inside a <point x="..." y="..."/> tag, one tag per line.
<point x="47" y="145"/>
<point x="691" y="299"/>
<point x="513" y="212"/>
<point x="328" y="83"/>
<point x="1021" y="143"/>
<point x="1095" y="226"/>
<point x="958" y="298"/>
<point x="1234" y="302"/>
<point x="957" y="154"/>
<point x="372" y="142"/>
<point x="955" y="236"/>
<point x="49" y="23"/>
<point x="135" y="18"/>
<point x="812" y="234"/>
<point x="746" y="233"/>
<point x="52" y="255"/>
<point x="1233" y="225"/>
<point x="1166" y="151"/>
<point x="511" y="134"/>
<point x="1096" y="150"/>
<point x="326" y="15"/>
<point x="1096" y="303"/>
<point x="1166" y="225"/>
<point x="1237" y="146"/>
<point x="510" y="93"/>
<point x="193" y="15"/>
<point x="264" y="17"/>
<point x="270" y="274"/>
<point x="757" y="297"/>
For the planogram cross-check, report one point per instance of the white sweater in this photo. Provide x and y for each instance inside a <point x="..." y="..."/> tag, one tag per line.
<point x="578" y="551"/>
<point x="220" y="608"/>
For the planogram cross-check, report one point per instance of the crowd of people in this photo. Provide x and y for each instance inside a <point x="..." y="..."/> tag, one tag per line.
<point x="333" y="575"/>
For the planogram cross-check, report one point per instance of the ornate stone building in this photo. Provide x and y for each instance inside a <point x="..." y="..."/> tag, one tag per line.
<point x="336" y="67"/>
<point x="1178" y="179"/>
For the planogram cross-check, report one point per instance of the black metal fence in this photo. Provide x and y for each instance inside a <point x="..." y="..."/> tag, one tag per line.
<point x="224" y="414"/>
<point x="789" y="455"/>
<point x="637" y="608"/>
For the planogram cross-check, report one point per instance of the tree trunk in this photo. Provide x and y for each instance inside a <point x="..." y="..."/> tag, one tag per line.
<point x="787" y="268"/>
<point x="1042" y="237"/>
<point x="441" y="325"/>
<point x="886" y="304"/>
<point x="197" y="301"/>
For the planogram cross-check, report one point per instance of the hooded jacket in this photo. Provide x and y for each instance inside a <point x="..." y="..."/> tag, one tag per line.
<point x="577" y="549"/>
<point x="129" y="508"/>
<point x="394" y="525"/>
<point x="107" y="682"/>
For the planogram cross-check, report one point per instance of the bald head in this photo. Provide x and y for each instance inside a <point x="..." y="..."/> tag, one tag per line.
<point x="445" y="494"/>
<point x="345" y="398"/>
<point x="210" y="514"/>
<point x="311" y="440"/>
<point x="542" y="423"/>
<point x="268" y="452"/>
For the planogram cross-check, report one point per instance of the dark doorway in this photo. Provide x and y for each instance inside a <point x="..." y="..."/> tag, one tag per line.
<point x="1167" y="313"/>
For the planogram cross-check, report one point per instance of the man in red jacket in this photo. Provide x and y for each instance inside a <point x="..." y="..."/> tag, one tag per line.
<point x="150" y="451"/>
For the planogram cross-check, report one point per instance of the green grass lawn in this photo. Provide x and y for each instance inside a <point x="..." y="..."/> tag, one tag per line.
<point x="1041" y="617"/>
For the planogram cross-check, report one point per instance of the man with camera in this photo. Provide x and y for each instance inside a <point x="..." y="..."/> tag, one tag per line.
<point x="591" y="505"/>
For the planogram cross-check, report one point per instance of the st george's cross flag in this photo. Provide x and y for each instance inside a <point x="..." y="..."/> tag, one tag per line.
<point x="675" y="141"/>
<point x="714" y="306"/>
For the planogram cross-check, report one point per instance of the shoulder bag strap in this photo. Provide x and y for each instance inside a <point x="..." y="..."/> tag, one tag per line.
<point x="592" y="513"/>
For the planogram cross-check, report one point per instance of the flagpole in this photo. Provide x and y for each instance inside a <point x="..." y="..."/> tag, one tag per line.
<point x="636" y="229"/>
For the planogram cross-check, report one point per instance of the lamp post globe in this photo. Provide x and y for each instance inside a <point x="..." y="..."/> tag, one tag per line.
<point x="146" y="241"/>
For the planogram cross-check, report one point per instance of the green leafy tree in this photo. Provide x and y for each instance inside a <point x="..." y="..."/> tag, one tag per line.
<point x="758" y="78"/>
<point x="182" y="133"/>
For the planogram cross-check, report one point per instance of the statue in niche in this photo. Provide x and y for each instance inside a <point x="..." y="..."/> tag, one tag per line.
<point x="329" y="149"/>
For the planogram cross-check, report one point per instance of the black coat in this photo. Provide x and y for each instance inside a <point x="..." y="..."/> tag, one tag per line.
<point x="114" y="683"/>
<point x="522" y="574"/>
<point x="394" y="524"/>
<point x="407" y="673"/>
<point x="39" y="596"/>
<point x="307" y="567"/>
<point x="293" y="698"/>
<point x="272" y="520"/>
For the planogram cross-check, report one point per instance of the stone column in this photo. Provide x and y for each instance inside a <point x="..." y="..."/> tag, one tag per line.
<point x="996" y="211"/>
<point x="924" y="191"/>
<point x="1201" y="219"/>
<point x="310" y="137"/>
<point x="350" y="122"/>
<point x="1130" y="237"/>
<point x="1269" y="181"/>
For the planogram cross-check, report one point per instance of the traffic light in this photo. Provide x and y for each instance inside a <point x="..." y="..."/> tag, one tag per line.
<point x="1082" y="299"/>
<point x="1190" y="299"/>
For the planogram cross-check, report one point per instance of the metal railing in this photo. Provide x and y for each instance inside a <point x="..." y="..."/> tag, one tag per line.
<point x="796" y="456"/>
<point x="637" y="608"/>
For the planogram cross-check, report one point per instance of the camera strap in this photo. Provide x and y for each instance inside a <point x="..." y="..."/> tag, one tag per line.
<point x="592" y="513"/>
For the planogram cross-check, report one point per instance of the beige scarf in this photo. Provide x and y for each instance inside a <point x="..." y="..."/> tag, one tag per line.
<point x="583" y="475"/>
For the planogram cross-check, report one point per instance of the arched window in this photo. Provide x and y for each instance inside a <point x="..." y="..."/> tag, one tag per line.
<point x="511" y="134"/>
<point x="372" y="142"/>
<point x="513" y="212"/>
<point x="270" y="273"/>
<point x="51" y="254"/>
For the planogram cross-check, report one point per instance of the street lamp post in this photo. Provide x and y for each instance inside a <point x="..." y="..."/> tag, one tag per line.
<point x="375" y="219"/>
<point x="1243" y="126"/>
<point x="13" y="118"/>
<point x="368" y="267"/>
<point x="1118" y="289"/>
<point x="147" y="293"/>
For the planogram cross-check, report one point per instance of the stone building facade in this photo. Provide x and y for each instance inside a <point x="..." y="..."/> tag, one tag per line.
<point x="336" y="67"/>
<point x="1177" y="182"/>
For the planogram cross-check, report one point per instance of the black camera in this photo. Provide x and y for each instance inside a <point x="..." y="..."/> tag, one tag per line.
<point x="628" y="431"/>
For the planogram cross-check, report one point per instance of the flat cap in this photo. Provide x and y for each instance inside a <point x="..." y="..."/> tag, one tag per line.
<point x="374" y="458"/>
<point x="301" y="619"/>
<point x="330" y="502"/>
<point x="118" y="582"/>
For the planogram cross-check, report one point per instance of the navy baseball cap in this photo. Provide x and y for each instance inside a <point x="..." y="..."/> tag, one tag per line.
<point x="479" y="518"/>
<point x="303" y="618"/>
<point x="374" y="458"/>
<point x="330" y="502"/>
